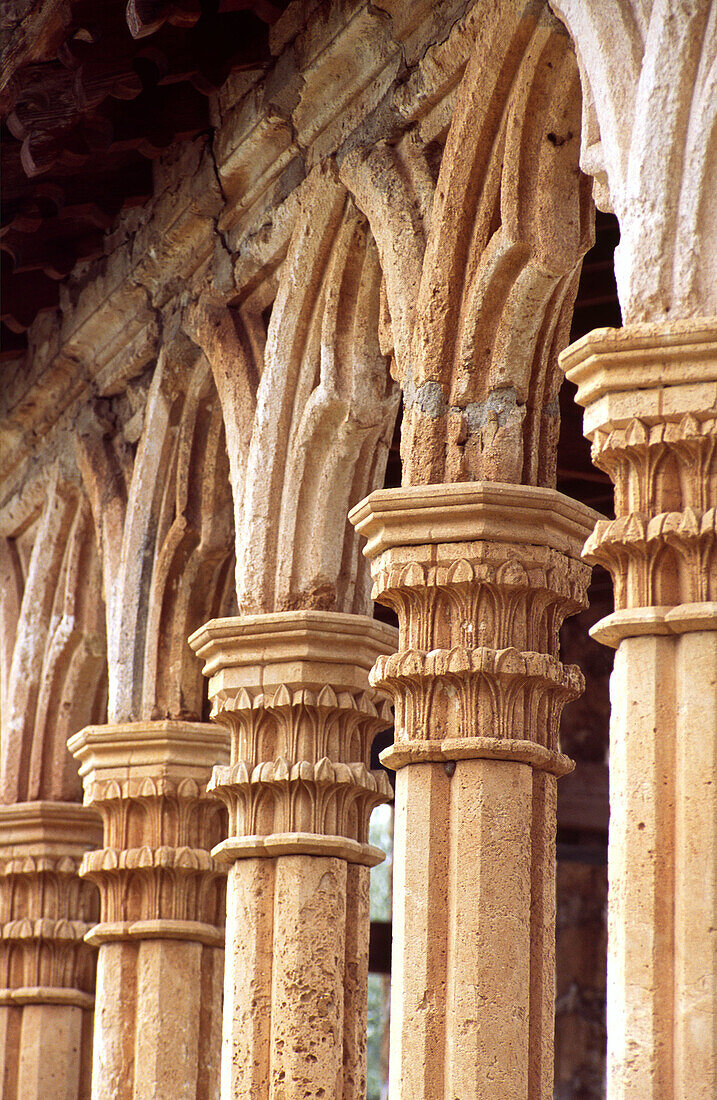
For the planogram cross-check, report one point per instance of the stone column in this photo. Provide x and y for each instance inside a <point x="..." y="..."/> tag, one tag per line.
<point x="161" y="934"/>
<point x="293" y="689"/>
<point x="47" y="971"/>
<point x="481" y="576"/>
<point x="650" y="398"/>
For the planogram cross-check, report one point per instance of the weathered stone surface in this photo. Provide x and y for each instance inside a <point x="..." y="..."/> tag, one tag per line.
<point x="157" y="1017"/>
<point x="396" y="204"/>
<point x="293" y="690"/>
<point x="478" y="689"/>
<point x="650" y="393"/>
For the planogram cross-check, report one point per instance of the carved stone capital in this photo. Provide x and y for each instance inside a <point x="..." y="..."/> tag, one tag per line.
<point x="481" y="576"/>
<point x="45" y="907"/>
<point x="650" y="398"/>
<point x="292" y="688"/>
<point x="148" y="781"/>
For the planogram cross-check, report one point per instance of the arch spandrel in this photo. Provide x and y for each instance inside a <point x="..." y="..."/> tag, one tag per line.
<point x="481" y="274"/>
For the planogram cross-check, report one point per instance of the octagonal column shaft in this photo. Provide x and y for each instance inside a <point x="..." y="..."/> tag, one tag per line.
<point x="161" y="935"/>
<point x="47" y="970"/>
<point x="481" y="576"/>
<point x="650" y="397"/>
<point x="293" y="689"/>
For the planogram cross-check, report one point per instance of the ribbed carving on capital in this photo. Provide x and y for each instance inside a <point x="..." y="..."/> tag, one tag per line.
<point x="481" y="594"/>
<point x="650" y="394"/>
<point x="479" y="620"/>
<point x="149" y="785"/>
<point x="301" y="724"/>
<point x="461" y="692"/>
<point x="481" y="624"/>
<point x="170" y="875"/>
<point x="292" y="688"/>
<point x="662" y="548"/>
<point x="45" y="907"/>
<point x="300" y="761"/>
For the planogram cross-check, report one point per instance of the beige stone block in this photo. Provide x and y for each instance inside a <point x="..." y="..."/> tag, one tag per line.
<point x="246" y="1039"/>
<point x="157" y="1020"/>
<point x="50" y="1046"/>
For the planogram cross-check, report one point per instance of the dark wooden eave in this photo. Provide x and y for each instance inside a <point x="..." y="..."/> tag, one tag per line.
<point x="90" y="96"/>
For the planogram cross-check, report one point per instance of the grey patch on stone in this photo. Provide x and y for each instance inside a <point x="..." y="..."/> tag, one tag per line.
<point x="552" y="408"/>
<point x="428" y="398"/>
<point x="503" y="403"/>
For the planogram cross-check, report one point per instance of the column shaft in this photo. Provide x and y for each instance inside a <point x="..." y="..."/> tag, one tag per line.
<point x="650" y="394"/>
<point x="481" y="577"/>
<point x="293" y="689"/>
<point x="47" y="971"/>
<point x="157" y="1033"/>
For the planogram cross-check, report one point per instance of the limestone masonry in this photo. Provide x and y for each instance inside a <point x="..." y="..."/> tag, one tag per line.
<point x="290" y="473"/>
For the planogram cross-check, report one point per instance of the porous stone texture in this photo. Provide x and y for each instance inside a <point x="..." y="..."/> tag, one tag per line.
<point x="481" y="577"/>
<point x="160" y="935"/>
<point x="47" y="969"/>
<point x="396" y="204"/>
<point x="649" y="115"/>
<point x="293" y="690"/>
<point x="650" y="397"/>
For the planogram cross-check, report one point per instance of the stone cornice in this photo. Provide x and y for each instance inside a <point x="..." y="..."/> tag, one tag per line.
<point x="41" y="828"/>
<point x="134" y="750"/>
<point x="651" y="371"/>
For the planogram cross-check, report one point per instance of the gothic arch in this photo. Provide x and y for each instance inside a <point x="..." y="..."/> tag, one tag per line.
<point x="322" y="410"/>
<point x="53" y="645"/>
<point x="164" y="526"/>
<point x="481" y="268"/>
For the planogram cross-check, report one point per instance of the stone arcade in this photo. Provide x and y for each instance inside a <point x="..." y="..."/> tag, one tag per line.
<point x="241" y="238"/>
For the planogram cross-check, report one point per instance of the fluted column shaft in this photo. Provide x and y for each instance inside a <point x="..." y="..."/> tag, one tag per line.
<point x="293" y="689"/>
<point x="161" y="935"/>
<point x="650" y="397"/>
<point x="47" y="971"/>
<point x="481" y="576"/>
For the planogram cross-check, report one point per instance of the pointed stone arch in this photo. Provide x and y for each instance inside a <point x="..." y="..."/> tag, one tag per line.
<point x="164" y="526"/>
<point x="481" y="269"/>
